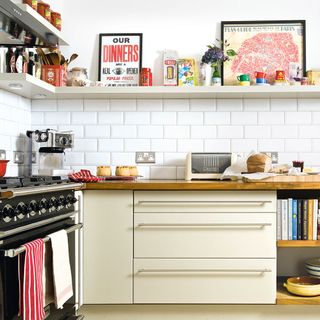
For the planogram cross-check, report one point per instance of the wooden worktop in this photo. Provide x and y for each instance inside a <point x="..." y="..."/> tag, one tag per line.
<point x="274" y="183"/>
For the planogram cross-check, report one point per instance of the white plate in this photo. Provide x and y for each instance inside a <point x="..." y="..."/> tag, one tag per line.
<point x="313" y="262"/>
<point x="313" y="173"/>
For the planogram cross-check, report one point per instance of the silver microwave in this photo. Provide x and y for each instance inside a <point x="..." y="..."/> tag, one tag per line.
<point x="208" y="165"/>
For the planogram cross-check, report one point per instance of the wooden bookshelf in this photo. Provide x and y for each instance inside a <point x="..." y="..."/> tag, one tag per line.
<point x="298" y="243"/>
<point x="285" y="298"/>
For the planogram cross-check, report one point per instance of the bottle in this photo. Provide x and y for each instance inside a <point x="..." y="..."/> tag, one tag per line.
<point x="31" y="64"/>
<point x="3" y="60"/>
<point x="12" y="61"/>
<point x="25" y="55"/>
<point x="19" y="60"/>
<point x="37" y="67"/>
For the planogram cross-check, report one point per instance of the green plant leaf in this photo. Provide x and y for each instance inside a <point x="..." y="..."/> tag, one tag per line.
<point x="231" y="53"/>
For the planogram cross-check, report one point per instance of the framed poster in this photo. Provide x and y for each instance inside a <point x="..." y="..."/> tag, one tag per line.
<point x="264" y="46"/>
<point x="120" y="59"/>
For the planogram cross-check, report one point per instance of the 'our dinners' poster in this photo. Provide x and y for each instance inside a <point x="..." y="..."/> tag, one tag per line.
<point x="120" y="59"/>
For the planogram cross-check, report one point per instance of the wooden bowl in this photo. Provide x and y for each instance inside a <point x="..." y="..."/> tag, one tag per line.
<point x="303" y="286"/>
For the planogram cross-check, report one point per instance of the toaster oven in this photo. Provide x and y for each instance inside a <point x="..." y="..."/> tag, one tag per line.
<point x="208" y="165"/>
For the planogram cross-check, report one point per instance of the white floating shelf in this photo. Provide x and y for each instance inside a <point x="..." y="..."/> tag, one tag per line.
<point x="43" y="24"/>
<point x="36" y="89"/>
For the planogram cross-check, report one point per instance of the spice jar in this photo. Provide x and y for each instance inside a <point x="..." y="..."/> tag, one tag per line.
<point x="146" y="77"/>
<point x="56" y="19"/>
<point x="44" y="10"/>
<point x="32" y="3"/>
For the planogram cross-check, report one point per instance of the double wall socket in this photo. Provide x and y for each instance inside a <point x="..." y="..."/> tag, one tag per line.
<point x="145" y="157"/>
<point x="273" y="155"/>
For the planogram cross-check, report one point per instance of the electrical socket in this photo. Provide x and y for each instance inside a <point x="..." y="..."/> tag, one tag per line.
<point x="145" y="157"/>
<point x="273" y="155"/>
<point x="34" y="157"/>
<point x="18" y="157"/>
<point x="2" y="154"/>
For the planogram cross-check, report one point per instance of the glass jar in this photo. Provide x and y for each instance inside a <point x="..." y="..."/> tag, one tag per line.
<point x="146" y="77"/>
<point x="32" y="3"/>
<point x="50" y="158"/>
<point x="77" y="77"/>
<point x="56" y="19"/>
<point x="44" y="10"/>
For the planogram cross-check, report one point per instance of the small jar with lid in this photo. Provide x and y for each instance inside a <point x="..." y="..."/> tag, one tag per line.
<point x="56" y="19"/>
<point x="146" y="77"/>
<point x="32" y="3"/>
<point x="44" y="10"/>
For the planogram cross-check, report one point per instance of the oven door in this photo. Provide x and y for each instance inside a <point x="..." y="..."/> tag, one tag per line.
<point x="9" y="282"/>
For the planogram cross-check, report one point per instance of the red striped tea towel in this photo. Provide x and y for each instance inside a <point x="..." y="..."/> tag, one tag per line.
<point x="84" y="176"/>
<point x="31" y="301"/>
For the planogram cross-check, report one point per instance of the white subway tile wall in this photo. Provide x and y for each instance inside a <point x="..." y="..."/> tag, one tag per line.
<point x="110" y="131"/>
<point x="15" y="120"/>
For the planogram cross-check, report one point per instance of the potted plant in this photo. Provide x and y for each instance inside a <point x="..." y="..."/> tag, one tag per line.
<point x="213" y="59"/>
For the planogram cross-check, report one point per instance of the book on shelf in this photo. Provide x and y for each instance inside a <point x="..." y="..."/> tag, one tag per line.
<point x="294" y="219"/>
<point x="298" y="219"/>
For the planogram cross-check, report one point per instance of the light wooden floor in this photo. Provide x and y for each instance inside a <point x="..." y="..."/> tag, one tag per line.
<point x="205" y="312"/>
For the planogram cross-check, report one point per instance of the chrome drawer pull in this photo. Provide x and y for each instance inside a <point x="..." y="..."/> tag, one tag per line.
<point x="200" y="225"/>
<point x="217" y="202"/>
<point x="204" y="270"/>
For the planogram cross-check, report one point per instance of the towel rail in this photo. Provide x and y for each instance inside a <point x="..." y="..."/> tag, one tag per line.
<point x="11" y="253"/>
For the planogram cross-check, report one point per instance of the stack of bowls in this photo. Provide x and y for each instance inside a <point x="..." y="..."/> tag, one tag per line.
<point x="313" y="267"/>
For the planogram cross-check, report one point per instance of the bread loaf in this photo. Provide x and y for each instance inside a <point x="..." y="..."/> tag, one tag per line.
<point x="259" y="162"/>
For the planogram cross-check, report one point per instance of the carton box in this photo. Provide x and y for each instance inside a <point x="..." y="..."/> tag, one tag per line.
<point x="55" y="75"/>
<point x="187" y="72"/>
<point x="170" y="77"/>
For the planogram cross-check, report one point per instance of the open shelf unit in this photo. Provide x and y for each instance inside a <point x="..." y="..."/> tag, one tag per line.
<point x="42" y="23"/>
<point x="37" y="89"/>
<point x="298" y="243"/>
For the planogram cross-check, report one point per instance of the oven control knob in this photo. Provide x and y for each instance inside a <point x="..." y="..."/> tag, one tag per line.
<point x="8" y="213"/>
<point x="33" y="208"/>
<point x="44" y="205"/>
<point x="63" y="201"/>
<point x="21" y="210"/>
<point x="74" y="200"/>
<point x="54" y="203"/>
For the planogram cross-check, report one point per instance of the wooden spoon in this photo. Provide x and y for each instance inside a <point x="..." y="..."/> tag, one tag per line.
<point x="73" y="57"/>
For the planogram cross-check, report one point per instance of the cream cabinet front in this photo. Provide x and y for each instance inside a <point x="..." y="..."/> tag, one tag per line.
<point x="227" y="281"/>
<point x="205" y="235"/>
<point x="205" y="247"/>
<point x="108" y="247"/>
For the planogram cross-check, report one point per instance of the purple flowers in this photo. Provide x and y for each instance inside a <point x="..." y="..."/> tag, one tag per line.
<point x="216" y="56"/>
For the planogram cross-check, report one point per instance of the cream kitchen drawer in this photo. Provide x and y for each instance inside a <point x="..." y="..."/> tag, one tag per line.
<point x="230" y="281"/>
<point x="204" y="201"/>
<point x="205" y="235"/>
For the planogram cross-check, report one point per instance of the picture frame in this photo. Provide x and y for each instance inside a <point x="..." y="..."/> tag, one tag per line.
<point x="120" y="59"/>
<point x="263" y="46"/>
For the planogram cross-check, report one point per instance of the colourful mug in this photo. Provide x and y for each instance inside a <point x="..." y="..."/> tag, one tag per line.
<point x="259" y="74"/>
<point x="280" y="75"/>
<point x="243" y="77"/>
<point x="261" y="80"/>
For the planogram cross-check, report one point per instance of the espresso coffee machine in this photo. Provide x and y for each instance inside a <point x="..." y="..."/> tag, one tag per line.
<point x="52" y="145"/>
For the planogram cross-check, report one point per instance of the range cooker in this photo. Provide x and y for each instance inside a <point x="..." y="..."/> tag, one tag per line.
<point x="32" y="208"/>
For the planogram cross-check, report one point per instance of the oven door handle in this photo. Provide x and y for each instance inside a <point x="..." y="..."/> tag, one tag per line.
<point x="11" y="253"/>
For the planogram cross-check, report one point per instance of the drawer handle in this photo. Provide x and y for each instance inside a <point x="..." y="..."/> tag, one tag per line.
<point x="203" y="225"/>
<point x="204" y="270"/>
<point x="217" y="202"/>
